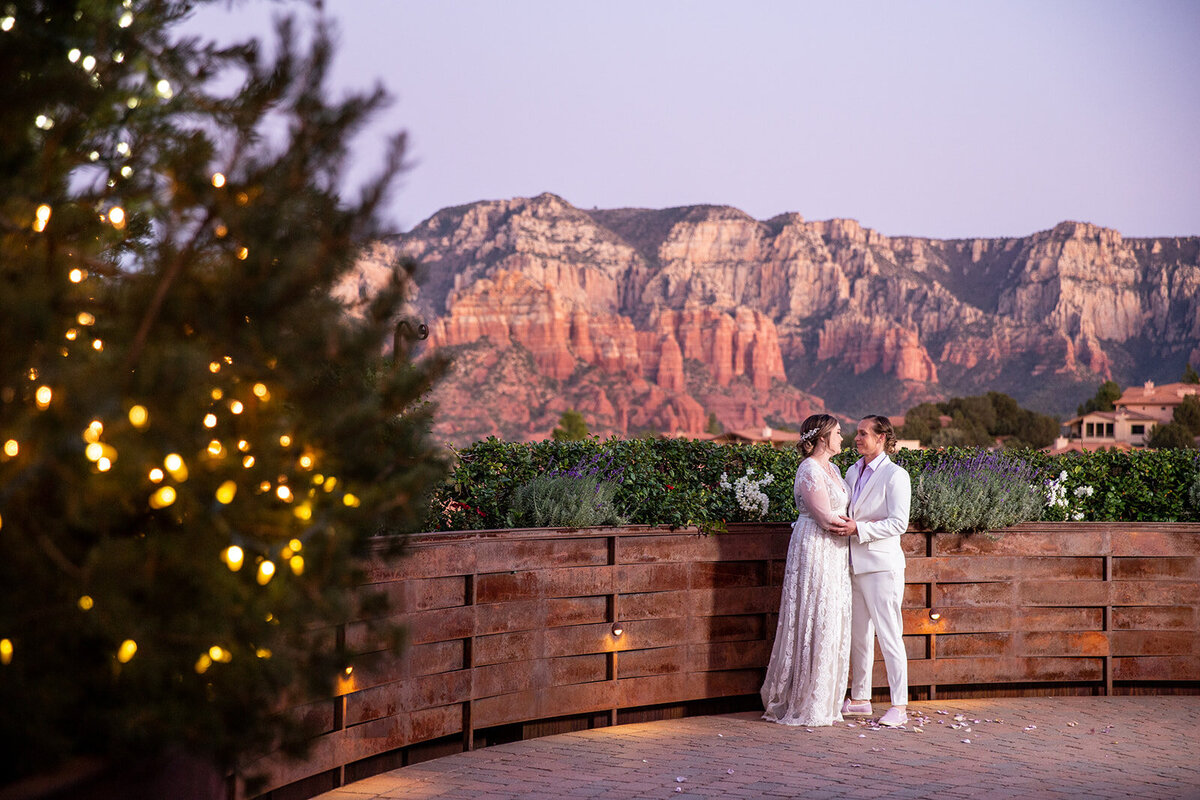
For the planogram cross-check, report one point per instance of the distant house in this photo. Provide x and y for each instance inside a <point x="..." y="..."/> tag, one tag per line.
<point x="763" y="435"/>
<point x="1135" y="414"/>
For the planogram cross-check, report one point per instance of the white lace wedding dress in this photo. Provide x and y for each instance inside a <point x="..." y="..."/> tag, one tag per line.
<point x="806" y="679"/>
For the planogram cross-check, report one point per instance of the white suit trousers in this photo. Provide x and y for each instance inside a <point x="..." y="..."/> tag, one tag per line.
<point x="878" y="597"/>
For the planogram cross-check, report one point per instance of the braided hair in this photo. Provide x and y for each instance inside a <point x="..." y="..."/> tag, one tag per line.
<point x="883" y="427"/>
<point x="814" y="429"/>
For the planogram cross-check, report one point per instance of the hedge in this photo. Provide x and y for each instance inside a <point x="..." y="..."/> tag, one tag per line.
<point x="677" y="482"/>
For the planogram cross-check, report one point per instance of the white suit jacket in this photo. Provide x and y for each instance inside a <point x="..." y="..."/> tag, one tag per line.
<point x="881" y="513"/>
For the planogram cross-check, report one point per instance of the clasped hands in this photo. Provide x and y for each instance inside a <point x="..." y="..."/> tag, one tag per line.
<point x="843" y="526"/>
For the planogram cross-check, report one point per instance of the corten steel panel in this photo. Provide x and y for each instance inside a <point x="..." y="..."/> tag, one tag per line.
<point x="1062" y="643"/>
<point x="509" y="647"/>
<point x="374" y="703"/>
<point x="997" y="669"/>
<point x="1184" y="540"/>
<point x="737" y="628"/>
<point x="1064" y="593"/>
<point x="675" y="548"/>
<point x="556" y="582"/>
<point x="1163" y="569"/>
<point x="575" y="610"/>
<point x="648" y="605"/>
<point x="710" y="657"/>
<point x="544" y="703"/>
<point x="916" y="595"/>
<point x="495" y="679"/>
<point x="717" y="602"/>
<point x="510" y="617"/>
<point x="977" y="619"/>
<point x="422" y="594"/>
<point x="438" y="625"/>
<point x="1018" y="541"/>
<point x="976" y="594"/>
<point x="432" y="561"/>
<point x="582" y="639"/>
<point x="914" y="545"/>
<point x="541" y="554"/>
<point x="713" y="574"/>
<point x="578" y="669"/>
<point x="1156" y="618"/>
<point x="654" y="661"/>
<point x="1155" y="593"/>
<point x="914" y="647"/>
<point x="433" y="658"/>
<point x="652" y="577"/>
<point x="1059" y="619"/>
<point x="960" y="645"/>
<point x="431" y="691"/>
<point x="1156" y="668"/>
<point x="959" y="569"/>
<point x="433" y="723"/>
<point x="1155" y="643"/>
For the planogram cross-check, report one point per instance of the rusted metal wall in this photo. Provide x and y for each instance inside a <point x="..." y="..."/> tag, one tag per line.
<point x="512" y="631"/>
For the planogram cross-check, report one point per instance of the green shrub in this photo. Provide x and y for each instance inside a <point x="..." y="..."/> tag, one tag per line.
<point x="984" y="492"/>
<point x="564" y="501"/>
<point x="677" y="482"/>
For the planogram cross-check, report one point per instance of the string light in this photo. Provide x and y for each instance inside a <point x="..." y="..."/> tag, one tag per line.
<point x="285" y="441"/>
<point x="243" y="253"/>
<point x="138" y="416"/>
<point x="162" y="498"/>
<point x="71" y="335"/>
<point x="11" y="448"/>
<point x="226" y="492"/>
<point x="6" y="652"/>
<point x="43" y="396"/>
<point x="202" y="664"/>
<point x="126" y="651"/>
<point x="98" y="345"/>
<point x="284" y="494"/>
<point x="103" y="464"/>
<point x="41" y="217"/>
<point x="306" y="461"/>
<point x="94" y="451"/>
<point x="215" y="448"/>
<point x="217" y="394"/>
<point x="260" y="391"/>
<point x="156" y="475"/>
<point x="234" y="557"/>
<point x="116" y="216"/>
<point x="297" y="564"/>
<point x="350" y="501"/>
<point x="76" y="275"/>
<point x="236" y="407"/>
<point x="176" y="467"/>
<point x="218" y="180"/>
<point x="243" y="445"/>
<point x="85" y="603"/>
<point x="295" y="545"/>
<point x="248" y="462"/>
<point x="262" y="652"/>
<point x="214" y="367"/>
<point x="303" y="511"/>
<point x="210" y="420"/>
<point x="265" y="572"/>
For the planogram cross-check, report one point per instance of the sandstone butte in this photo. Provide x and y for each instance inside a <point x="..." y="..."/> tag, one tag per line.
<point x="651" y="320"/>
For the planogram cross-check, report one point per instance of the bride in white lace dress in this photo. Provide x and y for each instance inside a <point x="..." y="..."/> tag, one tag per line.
<point x="806" y="678"/>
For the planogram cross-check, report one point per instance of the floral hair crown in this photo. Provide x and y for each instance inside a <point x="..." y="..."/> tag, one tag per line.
<point x="808" y="434"/>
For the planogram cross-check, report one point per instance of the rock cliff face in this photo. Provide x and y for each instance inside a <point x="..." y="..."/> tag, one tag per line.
<point x="653" y="319"/>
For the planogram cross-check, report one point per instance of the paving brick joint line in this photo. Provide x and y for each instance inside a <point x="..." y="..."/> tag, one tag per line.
<point x="1008" y="748"/>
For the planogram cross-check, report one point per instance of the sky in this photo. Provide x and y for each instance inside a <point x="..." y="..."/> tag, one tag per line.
<point x="937" y="119"/>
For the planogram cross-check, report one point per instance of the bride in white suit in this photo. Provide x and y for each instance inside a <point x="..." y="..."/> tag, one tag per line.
<point x="806" y="677"/>
<point x="880" y="496"/>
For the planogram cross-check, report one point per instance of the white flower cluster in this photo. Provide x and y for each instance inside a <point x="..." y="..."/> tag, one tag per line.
<point x="1056" y="495"/>
<point x="749" y="491"/>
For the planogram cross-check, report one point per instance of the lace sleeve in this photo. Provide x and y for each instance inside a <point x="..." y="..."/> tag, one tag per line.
<point x="812" y="494"/>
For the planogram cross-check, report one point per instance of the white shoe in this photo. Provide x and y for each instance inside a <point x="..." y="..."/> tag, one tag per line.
<point x="895" y="717"/>
<point x="856" y="708"/>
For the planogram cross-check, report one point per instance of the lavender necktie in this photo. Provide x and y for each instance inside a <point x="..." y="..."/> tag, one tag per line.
<point x="863" y="477"/>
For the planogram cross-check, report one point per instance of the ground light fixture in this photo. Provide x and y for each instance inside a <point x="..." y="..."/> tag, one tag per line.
<point x="617" y="630"/>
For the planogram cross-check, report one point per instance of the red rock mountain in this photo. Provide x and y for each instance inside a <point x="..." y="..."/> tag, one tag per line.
<point x="653" y="319"/>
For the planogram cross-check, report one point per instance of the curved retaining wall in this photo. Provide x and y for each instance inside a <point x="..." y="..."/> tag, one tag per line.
<point x="511" y="632"/>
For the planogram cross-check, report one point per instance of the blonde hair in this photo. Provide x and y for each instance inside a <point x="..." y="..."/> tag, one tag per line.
<point x="883" y="427"/>
<point x="814" y="429"/>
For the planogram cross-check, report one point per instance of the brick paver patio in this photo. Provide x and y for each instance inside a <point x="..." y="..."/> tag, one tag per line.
<point x="1071" y="747"/>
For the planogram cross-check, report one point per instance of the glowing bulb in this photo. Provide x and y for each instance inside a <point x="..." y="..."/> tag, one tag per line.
<point x="163" y="87"/>
<point x="221" y="231"/>
<point x="6" y="25"/>
<point x="116" y="216"/>
<point x="86" y="603"/>
<point x="175" y="466"/>
<point x="214" y="447"/>
<point x="243" y="253"/>
<point x="94" y="451"/>
<point x="248" y="462"/>
<point x="233" y="556"/>
<point x="218" y="180"/>
<point x="72" y="334"/>
<point x="215" y="652"/>
<point x="210" y="420"/>
<point x="126" y="651"/>
<point x="73" y="54"/>
<point x="164" y="497"/>
<point x="11" y="448"/>
<point x="202" y="664"/>
<point x="98" y="345"/>
<point x="236" y="407"/>
<point x="217" y="394"/>
<point x="284" y="494"/>
<point x="243" y="445"/>
<point x="260" y="391"/>
<point x="265" y="571"/>
<point x="262" y="652"/>
<point x="6" y="651"/>
<point x="88" y="63"/>
<point x="306" y="461"/>
<point x="103" y="464"/>
<point x="123" y="148"/>
<point x="139" y="416"/>
<point x="303" y="512"/>
<point x="126" y="19"/>
<point x="226" y="492"/>
<point x="265" y="486"/>
<point x="285" y="441"/>
<point x="126" y="171"/>
<point x="85" y="318"/>
<point x="43" y="396"/>
<point x="934" y="614"/>
<point x="297" y="564"/>
<point x="156" y="475"/>
<point x="214" y="367"/>
<point x="76" y="275"/>
<point x="350" y="500"/>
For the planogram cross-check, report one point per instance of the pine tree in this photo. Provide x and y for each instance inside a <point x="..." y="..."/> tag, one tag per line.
<point x="200" y="443"/>
<point x="571" y="427"/>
